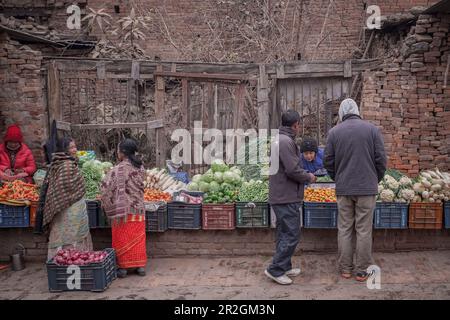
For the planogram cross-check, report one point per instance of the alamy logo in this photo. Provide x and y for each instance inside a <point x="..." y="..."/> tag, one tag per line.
<point x="374" y="20"/>
<point x="374" y="280"/>
<point x="74" y="280"/>
<point x="74" y="20"/>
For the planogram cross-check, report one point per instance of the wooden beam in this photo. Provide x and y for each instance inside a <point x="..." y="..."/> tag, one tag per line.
<point x="347" y="69"/>
<point x="101" y="70"/>
<point x="53" y="93"/>
<point x="210" y="76"/>
<point x="263" y="98"/>
<point x="280" y="71"/>
<point x="135" y="70"/>
<point x="185" y="103"/>
<point x="161" y="143"/>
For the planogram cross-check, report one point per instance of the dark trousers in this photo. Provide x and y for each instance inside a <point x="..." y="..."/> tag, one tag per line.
<point x="288" y="236"/>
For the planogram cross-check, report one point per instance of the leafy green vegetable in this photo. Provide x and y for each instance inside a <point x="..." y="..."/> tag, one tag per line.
<point x="254" y="191"/>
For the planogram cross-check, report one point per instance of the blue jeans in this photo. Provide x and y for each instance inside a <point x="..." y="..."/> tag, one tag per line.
<point x="288" y="236"/>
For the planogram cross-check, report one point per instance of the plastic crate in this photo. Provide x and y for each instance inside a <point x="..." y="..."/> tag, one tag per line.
<point x="93" y="209"/>
<point x="94" y="277"/>
<point x="424" y="215"/>
<point x="252" y="215"/>
<point x="447" y="214"/>
<point x="218" y="216"/>
<point x="184" y="216"/>
<point x="14" y="216"/>
<point x="391" y="215"/>
<point x="103" y="221"/>
<point x="320" y="215"/>
<point x="156" y="220"/>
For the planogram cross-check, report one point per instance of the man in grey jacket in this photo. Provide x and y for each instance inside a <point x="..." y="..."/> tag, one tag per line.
<point x="285" y="196"/>
<point x="355" y="159"/>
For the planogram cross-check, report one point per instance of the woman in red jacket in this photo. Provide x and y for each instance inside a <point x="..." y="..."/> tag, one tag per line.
<point x="16" y="159"/>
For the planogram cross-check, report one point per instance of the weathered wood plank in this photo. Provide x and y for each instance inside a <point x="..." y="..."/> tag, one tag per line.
<point x="263" y="99"/>
<point x="159" y="111"/>
<point x="135" y="70"/>
<point x="53" y="93"/>
<point x="347" y="69"/>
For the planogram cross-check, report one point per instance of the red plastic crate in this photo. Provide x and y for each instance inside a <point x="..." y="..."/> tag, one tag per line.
<point x="425" y="215"/>
<point x="218" y="217"/>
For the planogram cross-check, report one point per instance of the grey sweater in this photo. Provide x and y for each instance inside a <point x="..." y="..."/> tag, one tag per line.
<point x="355" y="157"/>
<point x="287" y="185"/>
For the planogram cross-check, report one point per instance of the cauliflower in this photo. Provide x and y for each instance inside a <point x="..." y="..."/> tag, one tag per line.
<point x="393" y="185"/>
<point x="405" y="181"/>
<point x="407" y="194"/>
<point x="380" y="188"/>
<point x="387" y="195"/>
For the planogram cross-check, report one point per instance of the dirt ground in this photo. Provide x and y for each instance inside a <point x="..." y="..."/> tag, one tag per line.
<point x="404" y="275"/>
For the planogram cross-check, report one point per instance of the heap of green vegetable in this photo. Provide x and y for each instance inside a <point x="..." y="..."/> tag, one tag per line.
<point x="219" y="177"/>
<point x="254" y="191"/>
<point x="324" y="179"/>
<point x="93" y="172"/>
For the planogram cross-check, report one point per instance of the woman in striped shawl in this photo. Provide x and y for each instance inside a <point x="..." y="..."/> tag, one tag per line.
<point x="65" y="214"/>
<point x="123" y="203"/>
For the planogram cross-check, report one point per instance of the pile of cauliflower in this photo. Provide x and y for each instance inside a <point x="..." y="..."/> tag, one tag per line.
<point x="429" y="186"/>
<point x="393" y="190"/>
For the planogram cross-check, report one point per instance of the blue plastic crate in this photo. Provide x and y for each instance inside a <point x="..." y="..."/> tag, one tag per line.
<point x="184" y="216"/>
<point x="320" y="215"/>
<point x="447" y="214"/>
<point x="391" y="215"/>
<point x="14" y="216"/>
<point x="94" y="277"/>
<point x="156" y="220"/>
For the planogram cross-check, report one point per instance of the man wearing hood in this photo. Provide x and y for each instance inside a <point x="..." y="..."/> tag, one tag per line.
<point x="355" y="159"/>
<point x="286" y="189"/>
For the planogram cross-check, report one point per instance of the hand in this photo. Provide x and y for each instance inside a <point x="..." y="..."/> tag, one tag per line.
<point x="9" y="172"/>
<point x="312" y="177"/>
<point x="21" y="175"/>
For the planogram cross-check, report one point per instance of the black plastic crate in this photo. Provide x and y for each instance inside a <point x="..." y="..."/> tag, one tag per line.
<point x="94" y="277"/>
<point x="103" y="221"/>
<point x="184" y="216"/>
<point x="252" y="214"/>
<point x="156" y="220"/>
<point x="14" y="216"/>
<point x="447" y="214"/>
<point x="320" y="215"/>
<point x="93" y="210"/>
<point x="391" y="215"/>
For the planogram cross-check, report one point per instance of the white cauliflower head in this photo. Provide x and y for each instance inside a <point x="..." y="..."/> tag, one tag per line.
<point x="393" y="185"/>
<point x="405" y="181"/>
<point x="407" y="194"/>
<point x="387" y="195"/>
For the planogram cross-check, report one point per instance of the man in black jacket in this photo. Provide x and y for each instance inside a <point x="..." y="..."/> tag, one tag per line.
<point x="355" y="159"/>
<point x="286" y="196"/>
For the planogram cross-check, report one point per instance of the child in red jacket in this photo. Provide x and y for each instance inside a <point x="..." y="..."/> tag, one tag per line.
<point x="16" y="159"/>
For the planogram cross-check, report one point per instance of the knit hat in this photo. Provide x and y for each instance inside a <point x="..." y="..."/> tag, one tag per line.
<point x="13" y="134"/>
<point x="348" y="106"/>
<point x="309" y="144"/>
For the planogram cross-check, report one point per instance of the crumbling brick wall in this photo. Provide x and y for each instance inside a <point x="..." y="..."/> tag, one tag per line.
<point x="407" y="98"/>
<point x="22" y="93"/>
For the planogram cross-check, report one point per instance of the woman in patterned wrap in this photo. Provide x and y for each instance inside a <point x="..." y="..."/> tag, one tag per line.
<point x="123" y="202"/>
<point x="65" y="216"/>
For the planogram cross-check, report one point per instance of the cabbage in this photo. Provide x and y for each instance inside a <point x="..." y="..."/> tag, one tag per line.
<point x="107" y="165"/>
<point x="193" y="186"/>
<point x="203" y="186"/>
<point x="207" y="177"/>
<point x="229" y="177"/>
<point x="219" y="166"/>
<point x="226" y="186"/>
<point x="197" y="178"/>
<point x="218" y="177"/>
<point x="214" y="186"/>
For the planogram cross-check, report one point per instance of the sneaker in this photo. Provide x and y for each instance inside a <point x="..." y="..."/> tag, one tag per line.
<point x="140" y="271"/>
<point x="284" y="279"/>
<point x="293" y="272"/>
<point x="362" y="276"/>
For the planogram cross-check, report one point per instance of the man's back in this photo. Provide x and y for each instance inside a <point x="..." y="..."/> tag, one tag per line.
<point x="355" y="157"/>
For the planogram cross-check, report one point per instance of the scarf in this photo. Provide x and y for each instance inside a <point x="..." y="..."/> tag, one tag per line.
<point x="65" y="186"/>
<point x="123" y="192"/>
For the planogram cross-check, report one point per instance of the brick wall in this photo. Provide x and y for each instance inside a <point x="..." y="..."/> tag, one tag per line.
<point x="406" y="97"/>
<point x="232" y="243"/>
<point x="22" y="93"/>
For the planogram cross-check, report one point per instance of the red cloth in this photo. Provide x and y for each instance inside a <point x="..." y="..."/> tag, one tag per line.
<point x="24" y="161"/>
<point x="128" y="239"/>
<point x="13" y="134"/>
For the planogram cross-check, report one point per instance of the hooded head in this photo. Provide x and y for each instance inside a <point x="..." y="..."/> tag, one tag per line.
<point x="13" y="134"/>
<point x="348" y="106"/>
